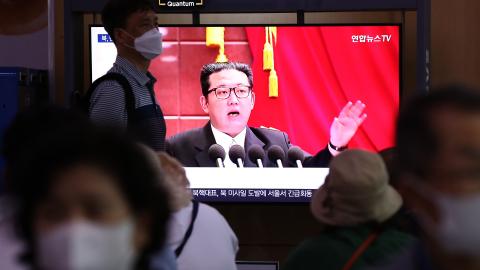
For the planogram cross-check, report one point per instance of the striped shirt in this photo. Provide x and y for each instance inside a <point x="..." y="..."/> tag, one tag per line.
<point x="107" y="103"/>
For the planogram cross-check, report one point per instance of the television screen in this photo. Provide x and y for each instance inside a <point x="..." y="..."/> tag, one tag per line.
<point x="319" y="68"/>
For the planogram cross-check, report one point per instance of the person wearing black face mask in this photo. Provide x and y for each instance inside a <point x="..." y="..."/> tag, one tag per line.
<point x="125" y="96"/>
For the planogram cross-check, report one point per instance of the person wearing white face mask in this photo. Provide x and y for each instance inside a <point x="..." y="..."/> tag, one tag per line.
<point x="125" y="96"/>
<point x="95" y="204"/>
<point x="438" y="162"/>
<point x="149" y="45"/>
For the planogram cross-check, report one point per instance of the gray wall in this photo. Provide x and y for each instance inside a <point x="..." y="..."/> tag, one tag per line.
<point x="27" y="50"/>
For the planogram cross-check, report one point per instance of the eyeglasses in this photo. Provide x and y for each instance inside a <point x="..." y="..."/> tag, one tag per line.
<point x="224" y="92"/>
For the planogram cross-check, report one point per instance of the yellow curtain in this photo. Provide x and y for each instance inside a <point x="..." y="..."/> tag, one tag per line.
<point x="268" y="60"/>
<point x="215" y="37"/>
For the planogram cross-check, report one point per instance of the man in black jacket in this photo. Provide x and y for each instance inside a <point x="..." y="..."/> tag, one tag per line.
<point x="229" y="113"/>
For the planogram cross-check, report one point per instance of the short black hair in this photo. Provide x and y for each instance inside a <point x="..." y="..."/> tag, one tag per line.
<point x="137" y="179"/>
<point x="115" y="13"/>
<point x="416" y="139"/>
<point x="211" y="68"/>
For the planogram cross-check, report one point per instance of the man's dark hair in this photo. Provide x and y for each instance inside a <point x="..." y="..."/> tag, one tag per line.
<point x="416" y="138"/>
<point x="209" y="69"/>
<point x="121" y="158"/>
<point x="116" y="12"/>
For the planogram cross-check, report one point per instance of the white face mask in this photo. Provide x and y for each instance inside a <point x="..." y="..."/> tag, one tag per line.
<point x="149" y="44"/>
<point x="87" y="246"/>
<point x="458" y="230"/>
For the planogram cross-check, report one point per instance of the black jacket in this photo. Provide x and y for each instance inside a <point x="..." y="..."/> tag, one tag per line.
<point x="191" y="147"/>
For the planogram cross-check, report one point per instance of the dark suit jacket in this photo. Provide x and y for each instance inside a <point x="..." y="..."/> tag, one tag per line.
<point x="191" y="147"/>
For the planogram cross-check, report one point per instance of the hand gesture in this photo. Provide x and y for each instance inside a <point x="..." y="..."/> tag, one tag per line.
<point x="346" y="124"/>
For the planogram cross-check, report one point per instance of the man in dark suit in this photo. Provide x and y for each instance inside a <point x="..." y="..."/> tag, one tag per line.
<point x="229" y="114"/>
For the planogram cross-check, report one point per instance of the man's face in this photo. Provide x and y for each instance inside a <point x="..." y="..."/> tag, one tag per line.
<point x="455" y="169"/>
<point x="228" y="115"/>
<point x="137" y="23"/>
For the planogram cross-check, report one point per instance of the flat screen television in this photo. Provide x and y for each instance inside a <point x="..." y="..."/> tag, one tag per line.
<point x="319" y="69"/>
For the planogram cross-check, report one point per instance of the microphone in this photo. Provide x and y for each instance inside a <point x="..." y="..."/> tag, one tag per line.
<point x="217" y="154"/>
<point x="237" y="155"/>
<point x="295" y="155"/>
<point x="256" y="155"/>
<point x="276" y="155"/>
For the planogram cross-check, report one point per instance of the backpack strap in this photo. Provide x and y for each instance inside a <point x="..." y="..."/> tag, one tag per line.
<point x="127" y="90"/>
<point x="361" y="249"/>
<point x="179" y="249"/>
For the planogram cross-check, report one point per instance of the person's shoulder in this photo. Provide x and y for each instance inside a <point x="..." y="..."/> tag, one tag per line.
<point x="187" y="136"/>
<point x="211" y="214"/>
<point x="214" y="220"/>
<point x="184" y="146"/>
<point x="408" y="258"/>
<point x="209" y="210"/>
<point x="268" y="132"/>
<point x="318" y="252"/>
<point x="397" y="238"/>
<point x="324" y="240"/>
<point x="271" y="136"/>
<point x="107" y="83"/>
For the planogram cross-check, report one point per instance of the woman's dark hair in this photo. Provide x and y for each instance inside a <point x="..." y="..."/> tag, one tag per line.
<point x="115" y="154"/>
<point x="29" y="129"/>
<point x="115" y="13"/>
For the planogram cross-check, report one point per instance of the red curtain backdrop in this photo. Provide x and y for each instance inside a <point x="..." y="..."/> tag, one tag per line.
<point x="319" y="70"/>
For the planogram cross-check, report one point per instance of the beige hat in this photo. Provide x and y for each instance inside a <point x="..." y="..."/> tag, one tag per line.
<point x="355" y="191"/>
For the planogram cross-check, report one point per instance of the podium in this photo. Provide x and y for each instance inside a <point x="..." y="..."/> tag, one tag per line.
<point x="255" y="184"/>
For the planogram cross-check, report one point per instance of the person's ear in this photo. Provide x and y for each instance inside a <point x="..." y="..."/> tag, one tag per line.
<point x="141" y="234"/>
<point x="414" y="199"/>
<point x="204" y="103"/>
<point x="120" y="36"/>
<point x="253" y="100"/>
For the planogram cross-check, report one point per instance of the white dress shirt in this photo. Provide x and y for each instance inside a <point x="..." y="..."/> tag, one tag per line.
<point x="226" y="142"/>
